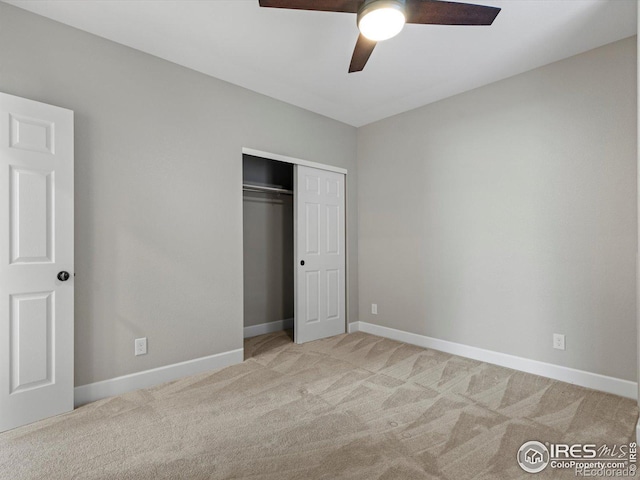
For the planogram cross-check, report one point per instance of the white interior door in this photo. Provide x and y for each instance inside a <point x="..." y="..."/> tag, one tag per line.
<point x="319" y="212"/>
<point x="36" y="235"/>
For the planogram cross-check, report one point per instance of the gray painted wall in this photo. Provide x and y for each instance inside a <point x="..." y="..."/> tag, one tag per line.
<point x="502" y="215"/>
<point x="158" y="189"/>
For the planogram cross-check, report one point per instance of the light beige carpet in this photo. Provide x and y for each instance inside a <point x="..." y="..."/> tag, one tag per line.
<point x="353" y="406"/>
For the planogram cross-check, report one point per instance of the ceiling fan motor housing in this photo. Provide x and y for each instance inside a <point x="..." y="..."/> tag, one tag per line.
<point x="373" y="6"/>
<point x="367" y="5"/>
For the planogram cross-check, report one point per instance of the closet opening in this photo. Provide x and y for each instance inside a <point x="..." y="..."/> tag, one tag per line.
<point x="294" y="248"/>
<point x="268" y="236"/>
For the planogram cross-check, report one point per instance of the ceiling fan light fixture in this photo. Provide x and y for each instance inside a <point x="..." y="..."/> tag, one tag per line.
<point x="381" y="19"/>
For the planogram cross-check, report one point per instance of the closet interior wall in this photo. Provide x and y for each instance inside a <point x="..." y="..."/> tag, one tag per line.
<point x="268" y="244"/>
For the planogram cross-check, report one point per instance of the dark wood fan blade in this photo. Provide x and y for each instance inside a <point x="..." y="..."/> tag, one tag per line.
<point x="347" y="6"/>
<point x="361" y="53"/>
<point x="436" y="12"/>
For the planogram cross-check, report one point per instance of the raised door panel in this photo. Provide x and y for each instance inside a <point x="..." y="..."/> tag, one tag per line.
<point x="32" y="338"/>
<point x="31" y="134"/>
<point x="333" y="294"/>
<point x="333" y="230"/>
<point x="31" y="223"/>
<point x="311" y="184"/>
<point x="312" y="217"/>
<point x="312" y="296"/>
<point x="333" y="188"/>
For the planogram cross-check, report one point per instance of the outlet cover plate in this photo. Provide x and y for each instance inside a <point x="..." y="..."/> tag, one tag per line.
<point x="140" y="346"/>
<point x="558" y="341"/>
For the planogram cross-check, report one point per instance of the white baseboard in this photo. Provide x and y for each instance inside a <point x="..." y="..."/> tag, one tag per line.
<point x="148" y="378"/>
<point x="270" y="327"/>
<point x="616" y="386"/>
<point x="638" y="432"/>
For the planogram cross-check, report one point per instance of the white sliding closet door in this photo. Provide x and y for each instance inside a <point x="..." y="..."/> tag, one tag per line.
<point x="36" y="261"/>
<point x="319" y="213"/>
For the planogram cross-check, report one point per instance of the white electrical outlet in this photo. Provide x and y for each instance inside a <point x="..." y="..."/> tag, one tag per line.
<point x="374" y="308"/>
<point x="558" y="341"/>
<point x="140" y="346"/>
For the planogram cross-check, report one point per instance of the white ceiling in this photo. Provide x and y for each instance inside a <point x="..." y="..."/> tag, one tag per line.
<point x="302" y="57"/>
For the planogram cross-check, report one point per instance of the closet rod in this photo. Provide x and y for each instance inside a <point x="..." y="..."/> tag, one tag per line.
<point x="260" y="188"/>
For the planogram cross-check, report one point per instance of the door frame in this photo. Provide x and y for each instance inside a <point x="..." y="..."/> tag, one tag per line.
<point x="331" y="168"/>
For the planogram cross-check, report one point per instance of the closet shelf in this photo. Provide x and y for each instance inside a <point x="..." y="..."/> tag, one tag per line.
<point x="259" y="188"/>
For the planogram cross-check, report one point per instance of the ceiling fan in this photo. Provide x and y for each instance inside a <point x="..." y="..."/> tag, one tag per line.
<point x="382" y="19"/>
